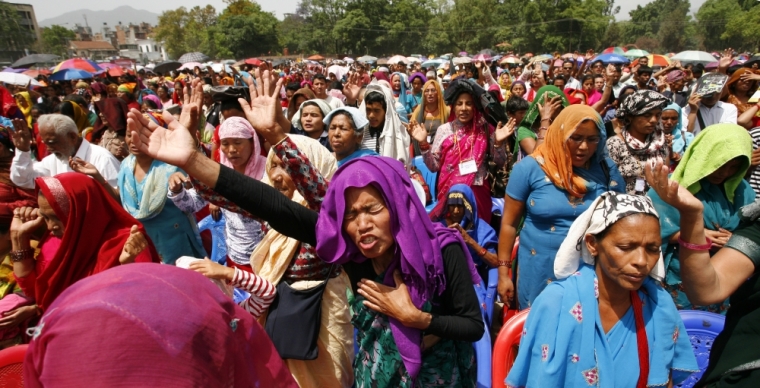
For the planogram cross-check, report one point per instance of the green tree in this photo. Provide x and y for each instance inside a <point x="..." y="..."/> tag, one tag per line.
<point x="248" y="31"/>
<point x="184" y="30"/>
<point x="55" y="39"/>
<point x="743" y="26"/>
<point x="712" y="18"/>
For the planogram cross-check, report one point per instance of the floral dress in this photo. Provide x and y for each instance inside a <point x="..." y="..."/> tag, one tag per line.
<point x="445" y="364"/>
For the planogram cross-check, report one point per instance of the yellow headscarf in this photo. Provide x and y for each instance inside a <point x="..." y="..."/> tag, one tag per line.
<point x="80" y="116"/>
<point x="27" y="111"/>
<point x="272" y="256"/>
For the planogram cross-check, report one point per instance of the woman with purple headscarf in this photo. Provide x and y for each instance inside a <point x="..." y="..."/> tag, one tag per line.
<point x="415" y="308"/>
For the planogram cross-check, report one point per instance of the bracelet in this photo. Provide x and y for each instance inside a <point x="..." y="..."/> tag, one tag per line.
<point x="424" y="147"/>
<point x="695" y="247"/>
<point x="505" y="264"/>
<point x="482" y="252"/>
<point x="550" y="120"/>
<point x="21" y="255"/>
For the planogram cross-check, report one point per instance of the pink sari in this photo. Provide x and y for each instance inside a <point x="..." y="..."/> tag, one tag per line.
<point x="466" y="143"/>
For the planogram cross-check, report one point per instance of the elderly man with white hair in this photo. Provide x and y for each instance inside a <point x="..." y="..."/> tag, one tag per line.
<point x="60" y="136"/>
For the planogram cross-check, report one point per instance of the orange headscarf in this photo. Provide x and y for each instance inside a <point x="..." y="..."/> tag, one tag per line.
<point x="553" y="155"/>
<point x="731" y="97"/>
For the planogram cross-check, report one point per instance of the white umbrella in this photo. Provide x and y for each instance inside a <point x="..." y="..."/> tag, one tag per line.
<point x="17" y="79"/>
<point x="694" y="57"/>
<point x="462" y="60"/>
<point x="348" y="60"/>
<point x="396" y="59"/>
<point x="413" y="60"/>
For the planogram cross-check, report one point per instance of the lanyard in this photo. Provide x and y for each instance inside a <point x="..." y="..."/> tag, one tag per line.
<point x="641" y="340"/>
<point x="472" y="143"/>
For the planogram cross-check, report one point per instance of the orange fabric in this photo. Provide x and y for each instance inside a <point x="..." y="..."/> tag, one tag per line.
<point x="553" y="155"/>
<point x="731" y="98"/>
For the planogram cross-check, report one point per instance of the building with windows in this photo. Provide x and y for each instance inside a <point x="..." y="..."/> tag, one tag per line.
<point x="13" y="48"/>
<point x="95" y="50"/>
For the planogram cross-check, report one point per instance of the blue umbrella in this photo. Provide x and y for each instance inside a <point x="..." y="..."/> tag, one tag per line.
<point x="432" y="62"/>
<point x="70" y="74"/>
<point x="614" y="59"/>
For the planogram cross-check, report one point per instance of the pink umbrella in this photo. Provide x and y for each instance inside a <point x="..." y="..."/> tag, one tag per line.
<point x="482" y="57"/>
<point x="191" y="65"/>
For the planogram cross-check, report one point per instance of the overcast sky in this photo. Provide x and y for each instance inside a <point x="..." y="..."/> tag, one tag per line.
<point x="46" y="9"/>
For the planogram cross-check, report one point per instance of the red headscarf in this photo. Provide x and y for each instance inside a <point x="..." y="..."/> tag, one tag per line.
<point x="96" y="228"/>
<point x="8" y="107"/>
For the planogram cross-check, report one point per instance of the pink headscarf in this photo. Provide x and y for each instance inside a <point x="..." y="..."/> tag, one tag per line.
<point x="240" y="128"/>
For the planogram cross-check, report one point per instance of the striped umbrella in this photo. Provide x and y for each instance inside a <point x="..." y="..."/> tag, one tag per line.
<point x="79" y="64"/>
<point x="614" y="50"/>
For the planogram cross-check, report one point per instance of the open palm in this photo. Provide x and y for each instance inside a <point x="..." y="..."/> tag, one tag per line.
<point x="174" y="145"/>
<point x="265" y="102"/>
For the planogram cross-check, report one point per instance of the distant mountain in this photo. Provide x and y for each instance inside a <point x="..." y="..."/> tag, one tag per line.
<point x="95" y="19"/>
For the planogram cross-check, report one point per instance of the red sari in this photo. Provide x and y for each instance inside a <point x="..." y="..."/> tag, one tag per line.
<point x="96" y="229"/>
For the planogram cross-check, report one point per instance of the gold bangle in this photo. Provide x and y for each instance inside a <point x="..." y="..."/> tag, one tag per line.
<point x="22" y="254"/>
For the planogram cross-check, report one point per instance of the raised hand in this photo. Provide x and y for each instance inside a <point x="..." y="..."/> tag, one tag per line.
<point x="550" y="107"/>
<point x="22" y="137"/>
<point x="135" y="244"/>
<point x="25" y="221"/>
<point x="670" y="191"/>
<point x="726" y="57"/>
<point x="174" y="145"/>
<point x="504" y="131"/>
<point x="265" y="103"/>
<point x="417" y="132"/>
<point x="191" y="106"/>
<point x="352" y="88"/>
<point x="694" y="101"/>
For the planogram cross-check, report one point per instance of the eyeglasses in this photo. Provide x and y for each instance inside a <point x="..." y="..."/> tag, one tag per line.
<point x="591" y="140"/>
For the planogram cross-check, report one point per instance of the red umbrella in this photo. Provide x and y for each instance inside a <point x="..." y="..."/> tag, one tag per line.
<point x="253" y="61"/>
<point x="116" y="71"/>
<point x="79" y="64"/>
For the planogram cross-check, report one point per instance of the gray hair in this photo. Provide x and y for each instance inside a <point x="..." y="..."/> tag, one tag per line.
<point x="347" y="115"/>
<point x="61" y="124"/>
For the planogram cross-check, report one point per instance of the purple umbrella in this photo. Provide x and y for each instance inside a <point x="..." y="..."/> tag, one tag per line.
<point x="12" y="70"/>
<point x="483" y="57"/>
<point x="714" y="65"/>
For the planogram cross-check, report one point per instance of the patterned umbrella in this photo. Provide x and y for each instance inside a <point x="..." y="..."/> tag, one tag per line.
<point x="193" y="57"/>
<point x="635" y="53"/>
<point x="614" y="50"/>
<point x="396" y="59"/>
<point x="483" y="57"/>
<point x="191" y="65"/>
<point x="510" y="59"/>
<point x="612" y="58"/>
<point x="316" y="57"/>
<point x="79" y="64"/>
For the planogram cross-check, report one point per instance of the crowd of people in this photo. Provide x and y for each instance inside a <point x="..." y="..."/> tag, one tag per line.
<point x="627" y="195"/>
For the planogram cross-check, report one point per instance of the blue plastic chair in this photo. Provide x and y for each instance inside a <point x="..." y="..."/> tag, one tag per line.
<point x="702" y="328"/>
<point x="430" y="179"/>
<point x="218" y="237"/>
<point x="493" y="280"/>
<point x="483" y="346"/>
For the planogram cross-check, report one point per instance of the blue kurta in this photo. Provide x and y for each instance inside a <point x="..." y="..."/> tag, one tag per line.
<point x="549" y="212"/>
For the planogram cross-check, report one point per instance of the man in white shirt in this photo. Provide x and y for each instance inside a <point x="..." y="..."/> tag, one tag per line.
<point x="60" y="135"/>
<point x="319" y="87"/>
<point x="567" y="71"/>
<point x="711" y="111"/>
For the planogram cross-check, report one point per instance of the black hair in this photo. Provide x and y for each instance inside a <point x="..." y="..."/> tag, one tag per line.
<point x="151" y="104"/>
<point x="558" y="77"/>
<point x="597" y="76"/>
<point x="336" y="85"/>
<point x="42" y="108"/>
<point x="516" y="104"/>
<point x="294" y="86"/>
<point x="698" y="68"/>
<point x="644" y="70"/>
<point x="319" y="77"/>
<point x="67" y="109"/>
<point x="587" y="77"/>
<point x="76" y="98"/>
<point x="375" y="96"/>
<point x="622" y="94"/>
<point x="229" y="104"/>
<point x="162" y="86"/>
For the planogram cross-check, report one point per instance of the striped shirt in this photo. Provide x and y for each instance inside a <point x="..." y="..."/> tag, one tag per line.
<point x="754" y="178"/>
<point x="262" y="291"/>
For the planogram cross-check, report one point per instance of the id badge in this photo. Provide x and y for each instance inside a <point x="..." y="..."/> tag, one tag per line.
<point x="468" y="167"/>
<point x="639" y="185"/>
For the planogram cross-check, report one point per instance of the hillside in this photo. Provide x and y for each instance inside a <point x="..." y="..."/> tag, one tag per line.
<point x="124" y="14"/>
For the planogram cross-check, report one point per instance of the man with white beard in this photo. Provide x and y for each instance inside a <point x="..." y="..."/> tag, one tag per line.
<point x="60" y="136"/>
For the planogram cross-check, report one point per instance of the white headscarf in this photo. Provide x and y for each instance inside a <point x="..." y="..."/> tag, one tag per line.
<point x="394" y="139"/>
<point x="605" y="211"/>
<point x="323" y="106"/>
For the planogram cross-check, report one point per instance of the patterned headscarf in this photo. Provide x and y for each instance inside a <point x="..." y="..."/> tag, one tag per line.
<point x="640" y="103"/>
<point x="675" y="75"/>
<point x="604" y="212"/>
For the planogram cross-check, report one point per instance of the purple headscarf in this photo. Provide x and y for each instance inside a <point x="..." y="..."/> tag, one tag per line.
<point x="154" y="99"/>
<point x="418" y="75"/>
<point x="418" y="241"/>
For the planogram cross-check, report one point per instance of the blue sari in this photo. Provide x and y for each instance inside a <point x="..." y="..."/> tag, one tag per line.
<point x="356" y="154"/>
<point x="173" y="232"/>
<point x="564" y="345"/>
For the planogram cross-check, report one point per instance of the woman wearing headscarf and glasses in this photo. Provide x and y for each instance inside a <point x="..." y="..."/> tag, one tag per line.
<point x="550" y="189"/>
<point x="642" y="139"/>
<point x="606" y="322"/>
